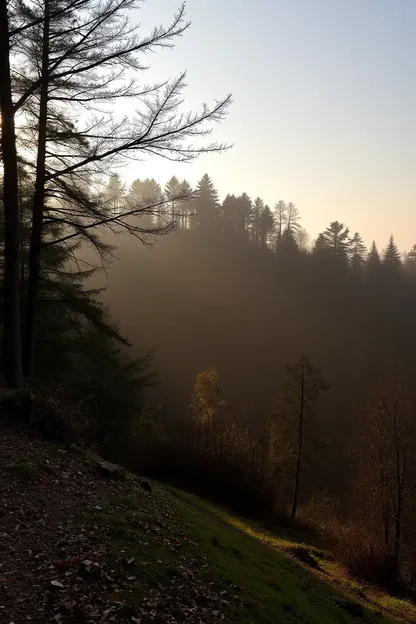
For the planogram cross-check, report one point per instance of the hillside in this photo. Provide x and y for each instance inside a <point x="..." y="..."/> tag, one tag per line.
<point x="79" y="547"/>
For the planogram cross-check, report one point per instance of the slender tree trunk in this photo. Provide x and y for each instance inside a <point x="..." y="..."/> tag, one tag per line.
<point x="398" y="533"/>
<point x="38" y="207"/>
<point x="299" y="452"/>
<point x="11" y="297"/>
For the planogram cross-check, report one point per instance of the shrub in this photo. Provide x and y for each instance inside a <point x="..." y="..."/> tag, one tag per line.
<point x="361" y="552"/>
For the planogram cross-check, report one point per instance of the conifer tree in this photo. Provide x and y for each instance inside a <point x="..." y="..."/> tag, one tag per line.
<point x="205" y="205"/>
<point x="373" y="262"/>
<point x="357" y="252"/>
<point x="336" y="238"/>
<point x="255" y="221"/>
<point x="391" y="255"/>
<point x="87" y="53"/>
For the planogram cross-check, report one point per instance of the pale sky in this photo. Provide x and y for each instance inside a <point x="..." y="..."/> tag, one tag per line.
<point x="324" y="110"/>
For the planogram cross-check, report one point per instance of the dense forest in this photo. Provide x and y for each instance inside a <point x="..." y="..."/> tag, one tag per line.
<point x="210" y="343"/>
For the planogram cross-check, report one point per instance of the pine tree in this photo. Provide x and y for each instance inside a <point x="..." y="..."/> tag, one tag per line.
<point x="134" y="200"/>
<point x="336" y="238"/>
<point x="186" y="204"/>
<point x="12" y="366"/>
<point x="255" y="221"/>
<point x="410" y="261"/>
<point x="173" y="194"/>
<point x="244" y="211"/>
<point x="114" y="194"/>
<point x="229" y="211"/>
<point x="79" y="350"/>
<point x="391" y="255"/>
<point x="320" y="245"/>
<point x="205" y="205"/>
<point x="373" y="263"/>
<point x="236" y="213"/>
<point x="287" y="247"/>
<point x="266" y="224"/>
<point x="357" y="252"/>
<point x="78" y="55"/>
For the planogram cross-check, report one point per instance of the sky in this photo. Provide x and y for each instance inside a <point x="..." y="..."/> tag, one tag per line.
<point x="324" y="111"/>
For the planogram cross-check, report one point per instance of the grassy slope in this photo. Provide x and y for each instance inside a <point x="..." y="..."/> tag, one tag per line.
<point x="251" y="566"/>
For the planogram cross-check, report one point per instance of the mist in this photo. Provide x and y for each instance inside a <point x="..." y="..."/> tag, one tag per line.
<point x="222" y="292"/>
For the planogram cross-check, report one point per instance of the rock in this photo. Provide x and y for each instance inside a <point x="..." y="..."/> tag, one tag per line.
<point x="354" y="608"/>
<point x="146" y="485"/>
<point x="111" y="471"/>
<point x="57" y="584"/>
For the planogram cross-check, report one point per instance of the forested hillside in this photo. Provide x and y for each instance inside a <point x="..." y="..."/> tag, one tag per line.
<point x="207" y="341"/>
<point x="241" y="287"/>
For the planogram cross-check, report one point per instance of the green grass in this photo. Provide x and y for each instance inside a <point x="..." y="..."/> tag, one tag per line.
<point x="162" y="535"/>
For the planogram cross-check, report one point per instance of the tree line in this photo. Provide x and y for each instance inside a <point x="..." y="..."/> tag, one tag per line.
<point x="178" y="206"/>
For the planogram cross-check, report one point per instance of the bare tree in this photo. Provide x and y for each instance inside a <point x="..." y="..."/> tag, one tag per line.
<point x="280" y="210"/>
<point x="384" y="460"/>
<point x="302" y="390"/>
<point x="293" y="218"/>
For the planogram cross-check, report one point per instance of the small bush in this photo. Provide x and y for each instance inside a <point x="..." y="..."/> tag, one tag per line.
<point x="363" y="555"/>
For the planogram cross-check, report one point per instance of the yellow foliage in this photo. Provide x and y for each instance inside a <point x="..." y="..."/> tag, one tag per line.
<point x="206" y="399"/>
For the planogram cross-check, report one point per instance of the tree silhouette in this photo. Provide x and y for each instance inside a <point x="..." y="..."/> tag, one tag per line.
<point x="236" y="213"/>
<point x="410" y="260"/>
<point x="173" y="196"/>
<point x="266" y="226"/>
<point x="186" y="203"/>
<point x="115" y="193"/>
<point x="11" y="289"/>
<point x="357" y="252"/>
<point x="255" y="221"/>
<point x="205" y="206"/>
<point x="88" y="54"/>
<point x="373" y="262"/>
<point x="302" y="390"/>
<point x="336" y="239"/>
<point x="292" y="218"/>
<point x="391" y="255"/>
<point x="280" y="210"/>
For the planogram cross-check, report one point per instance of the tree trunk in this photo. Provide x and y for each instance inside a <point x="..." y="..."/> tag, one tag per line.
<point x="11" y="297"/>
<point x="299" y="452"/>
<point x="38" y="207"/>
<point x="398" y="533"/>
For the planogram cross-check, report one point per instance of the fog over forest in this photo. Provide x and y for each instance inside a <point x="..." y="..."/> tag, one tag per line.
<point x="154" y="329"/>
<point x="240" y="287"/>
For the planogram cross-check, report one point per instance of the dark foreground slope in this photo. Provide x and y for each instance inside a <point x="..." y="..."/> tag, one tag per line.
<point x="76" y="547"/>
